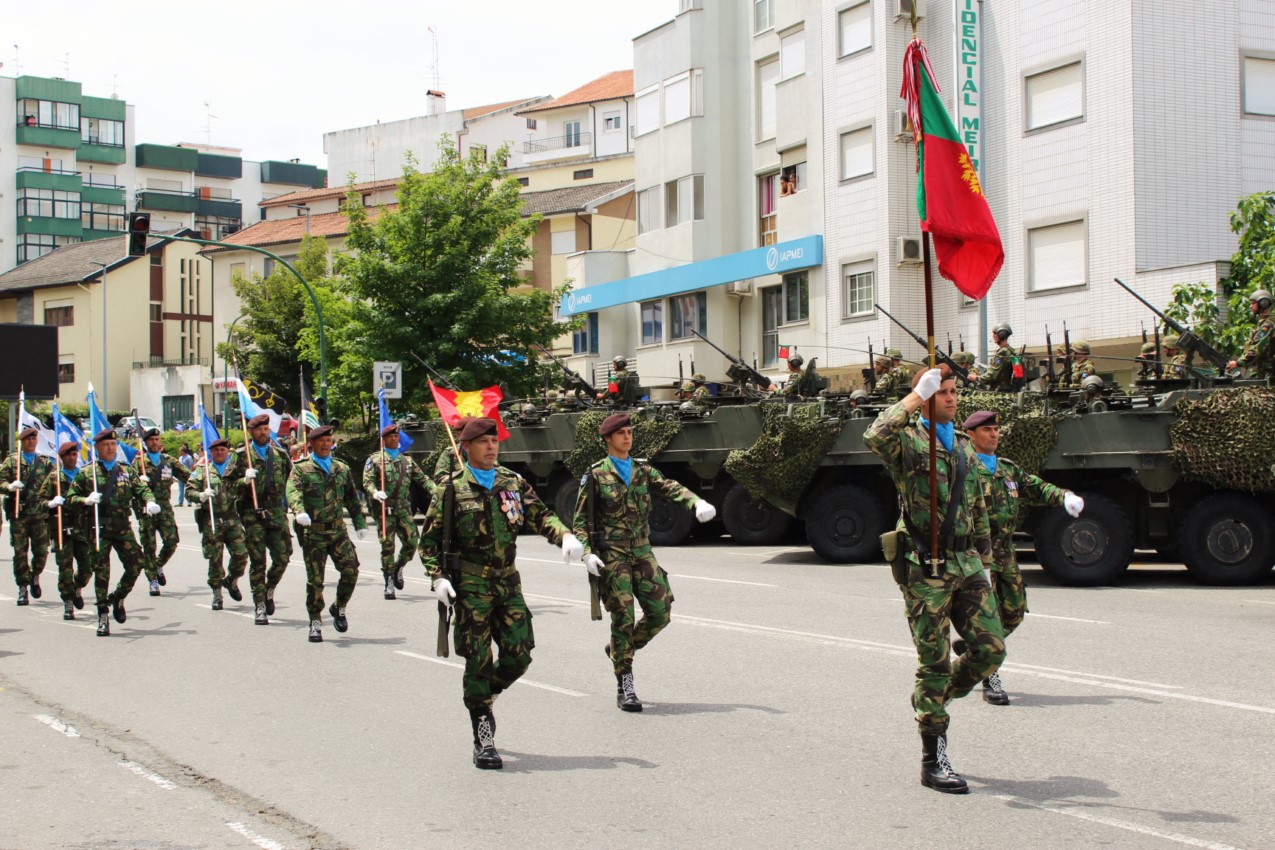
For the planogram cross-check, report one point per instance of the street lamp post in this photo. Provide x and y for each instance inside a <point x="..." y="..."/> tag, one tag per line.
<point x="104" y="267"/>
<point x="306" y="210"/>
<point x="225" y="376"/>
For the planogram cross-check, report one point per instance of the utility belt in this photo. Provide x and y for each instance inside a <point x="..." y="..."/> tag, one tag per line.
<point x="326" y="526"/>
<point x="486" y="571"/>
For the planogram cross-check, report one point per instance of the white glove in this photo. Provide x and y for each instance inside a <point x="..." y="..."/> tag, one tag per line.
<point x="593" y="564"/>
<point x="56" y="502"/>
<point x="15" y="486"/>
<point x="195" y="495"/>
<point x="152" y="509"/>
<point x="93" y="498"/>
<point x="360" y="533"/>
<point x="250" y="474"/>
<point x="303" y="519"/>
<point x="929" y="384"/>
<point x="572" y="548"/>
<point x="144" y="478"/>
<point x="704" y="511"/>
<point x="443" y="590"/>
<point x="209" y="493"/>
<point x="380" y="495"/>
<point x="1073" y="504"/>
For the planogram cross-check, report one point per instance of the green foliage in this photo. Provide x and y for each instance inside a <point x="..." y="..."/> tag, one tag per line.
<point x="1253" y="265"/>
<point x="174" y="440"/>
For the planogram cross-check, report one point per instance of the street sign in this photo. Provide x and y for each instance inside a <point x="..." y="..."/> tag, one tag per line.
<point x="388" y="374"/>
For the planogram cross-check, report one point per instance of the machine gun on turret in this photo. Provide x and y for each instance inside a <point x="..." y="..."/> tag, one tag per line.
<point x="1187" y="340"/>
<point x="748" y="378"/>
<point x="957" y="369"/>
<point x="573" y="381"/>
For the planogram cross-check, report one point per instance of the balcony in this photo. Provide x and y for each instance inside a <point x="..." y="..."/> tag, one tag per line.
<point x="161" y="363"/>
<point x="558" y="147"/>
<point x="47" y="135"/>
<point x="221" y="207"/>
<point x="292" y="174"/>
<point x="98" y="194"/>
<point x="59" y="180"/>
<point x="218" y="165"/>
<point x="165" y="200"/>
<point x="166" y="157"/>
<point x="92" y="149"/>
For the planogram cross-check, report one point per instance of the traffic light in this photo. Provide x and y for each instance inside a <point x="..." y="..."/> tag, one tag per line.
<point x="139" y="225"/>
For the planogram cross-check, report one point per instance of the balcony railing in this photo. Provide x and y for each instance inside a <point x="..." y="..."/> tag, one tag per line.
<point x="159" y="362"/>
<point x="575" y="140"/>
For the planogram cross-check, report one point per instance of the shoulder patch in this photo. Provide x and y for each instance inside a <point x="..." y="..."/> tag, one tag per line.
<point x="584" y="480"/>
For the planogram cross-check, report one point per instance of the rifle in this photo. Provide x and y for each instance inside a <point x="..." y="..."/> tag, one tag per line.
<point x="1159" y="367"/>
<point x="739" y="371"/>
<point x="949" y="345"/>
<point x="1049" y="359"/>
<point x="1187" y="340"/>
<point x="1067" y="353"/>
<point x="957" y="369"/>
<point x="597" y="542"/>
<point x="1144" y="332"/>
<point x="448" y="561"/>
<point x="574" y="382"/>
<point x="961" y="337"/>
<point x="870" y="373"/>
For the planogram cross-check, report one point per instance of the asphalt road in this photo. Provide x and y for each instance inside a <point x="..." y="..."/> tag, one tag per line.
<point x="776" y="714"/>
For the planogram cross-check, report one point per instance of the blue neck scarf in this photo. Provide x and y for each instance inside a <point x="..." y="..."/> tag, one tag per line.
<point x="945" y="433"/>
<point x="989" y="461"/>
<point x="28" y="458"/>
<point x="623" y="468"/>
<point x="324" y="463"/>
<point x="69" y="474"/>
<point x="485" y="477"/>
<point x="261" y="450"/>
<point x="392" y="454"/>
<point x="155" y="457"/>
<point x="221" y="467"/>
<point x="109" y="464"/>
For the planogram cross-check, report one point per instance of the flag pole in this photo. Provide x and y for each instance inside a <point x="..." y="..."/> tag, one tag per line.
<point x="141" y="444"/>
<point x="22" y="409"/>
<point x="57" y="490"/>
<point x="203" y="438"/>
<point x="301" y="369"/>
<point x="247" y="447"/>
<point x="382" y="430"/>
<point x="97" y="521"/>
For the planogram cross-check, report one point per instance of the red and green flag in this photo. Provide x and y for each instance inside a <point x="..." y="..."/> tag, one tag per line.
<point x="949" y="197"/>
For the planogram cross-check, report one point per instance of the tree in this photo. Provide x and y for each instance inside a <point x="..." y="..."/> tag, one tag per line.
<point x="438" y="275"/>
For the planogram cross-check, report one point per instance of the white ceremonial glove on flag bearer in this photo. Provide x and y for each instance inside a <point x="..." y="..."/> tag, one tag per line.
<point x="250" y="474"/>
<point x="380" y="495"/>
<point x="443" y="590"/>
<point x="929" y="384"/>
<point x="15" y="486"/>
<point x="144" y="478"/>
<point x="593" y="564"/>
<point x="1073" y="504"/>
<point x="152" y="509"/>
<point x="572" y="548"/>
<point x="303" y="519"/>
<point x="208" y="494"/>
<point x="56" y="502"/>
<point x="93" y="498"/>
<point x="704" y="511"/>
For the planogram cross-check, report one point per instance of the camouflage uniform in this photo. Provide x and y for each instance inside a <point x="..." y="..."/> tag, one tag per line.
<point x="900" y="380"/>
<point x="229" y="533"/>
<point x="1258" y="358"/>
<point x="121" y="491"/>
<point x="631" y="571"/>
<point x="1080" y="371"/>
<point x="266" y="526"/>
<point x="962" y="596"/>
<point x="28" y="526"/>
<point x="325" y="497"/>
<point x="795" y="387"/>
<point x="1176" y="367"/>
<point x="164" y="524"/>
<point x="1000" y="371"/>
<point x="1006" y="490"/>
<point x="701" y="395"/>
<point x="401" y="472"/>
<point x="489" y="604"/>
<point x="443" y="468"/>
<point x="615" y="386"/>
<point x="76" y="546"/>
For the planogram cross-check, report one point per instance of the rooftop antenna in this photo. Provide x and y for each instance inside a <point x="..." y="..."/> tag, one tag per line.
<point x="66" y="64"/>
<point x="433" y="35"/>
<point x="208" y="119"/>
<point x="17" y="64"/>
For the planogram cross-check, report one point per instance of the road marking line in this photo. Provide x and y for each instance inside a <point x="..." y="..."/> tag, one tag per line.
<point x="1260" y="601"/>
<point x="259" y="840"/>
<point x="57" y="725"/>
<point x="1025" y="667"/>
<point x="134" y="767"/>
<point x="1150" y="691"/>
<point x="723" y="580"/>
<point x="1175" y="837"/>
<point x="251" y="616"/>
<point x="445" y="663"/>
<point x="1069" y="619"/>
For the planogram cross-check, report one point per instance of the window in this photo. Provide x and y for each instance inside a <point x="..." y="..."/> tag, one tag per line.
<point x="684" y="200"/>
<point x="610" y="122"/>
<point x="100" y="131"/>
<point x="102" y="216"/>
<point x="767" y="76"/>
<point x="792" y="179"/>
<point x="582" y="174"/>
<point x="531" y="123"/>
<point x="648" y="211"/>
<point x="563" y="241"/>
<point x="1055" y="96"/>
<point x="856" y="153"/>
<point x="157" y="312"/>
<point x="652" y="322"/>
<point x="688" y="313"/>
<point x="37" y="163"/>
<point x="585" y="340"/>
<point x="91" y="179"/>
<point x="1259" y="86"/>
<point x="478" y="152"/>
<point x="854" y="26"/>
<point x="677" y="99"/>
<point x="60" y="317"/>
<point x="571" y="134"/>
<point x="858" y="297"/>
<point x="766" y="191"/>
<point x="66" y="372"/>
<point x="796" y="297"/>
<point x="763" y="15"/>
<point x="524" y="181"/>
<point x="48" y="203"/>
<point x="647" y="105"/>
<point x="32" y="245"/>
<point x="49" y="113"/>
<point x="217" y="226"/>
<point x="792" y="55"/>
<point x="1056" y="256"/>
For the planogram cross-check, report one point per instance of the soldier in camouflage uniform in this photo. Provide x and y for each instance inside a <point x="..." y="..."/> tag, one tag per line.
<point x="626" y="566"/>
<point x="965" y="359"/>
<point x="74" y="548"/>
<point x="320" y="489"/>
<point x="700" y="395"/>
<point x="795" y="387"/>
<point x="116" y="490"/>
<point x="265" y="524"/>
<point x="615" y="386"/>
<point x="28" y="528"/>
<point x="1147" y="357"/>
<point x="1176" y="365"/>
<point x="900" y="375"/>
<point x="401" y="472"/>
<point x="1081" y="366"/>
<point x="158" y="470"/>
<point x="492" y="504"/>
<point x="1258" y="358"/>
<point x="1000" y="371"/>
<point x="216" y="485"/>
<point x="1007" y="490"/>
<point x="885" y="378"/>
<point x="960" y="594"/>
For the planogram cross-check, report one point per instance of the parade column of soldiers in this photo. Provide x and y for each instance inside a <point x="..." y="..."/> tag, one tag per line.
<point x="267" y="468"/>
<point x="216" y="486"/>
<point x="158" y="472"/>
<point x="28" y="525"/>
<point x="395" y="493"/>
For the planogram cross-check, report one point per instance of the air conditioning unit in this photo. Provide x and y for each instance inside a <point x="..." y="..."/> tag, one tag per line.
<point x="903" y="9"/>
<point x="739" y="287"/>
<point x="902" y="126"/>
<point x="907" y="251"/>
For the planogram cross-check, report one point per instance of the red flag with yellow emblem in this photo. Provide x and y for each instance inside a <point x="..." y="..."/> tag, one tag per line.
<point x="453" y="404"/>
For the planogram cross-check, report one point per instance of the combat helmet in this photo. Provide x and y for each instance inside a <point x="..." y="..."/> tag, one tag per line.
<point x="1092" y="384"/>
<point x="1262" y="298"/>
<point x="1171" y="341"/>
<point x="1081" y="347"/>
<point x="688" y="387"/>
<point x="894" y="354"/>
<point x="1148" y="348"/>
<point x="796" y="360"/>
<point x="551" y="395"/>
<point x="965" y="358"/>
<point x="1002" y="331"/>
<point x="619" y="362"/>
<point x="699" y="378"/>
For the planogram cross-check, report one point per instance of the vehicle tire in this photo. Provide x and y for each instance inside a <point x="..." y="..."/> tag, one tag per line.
<point x="750" y="521"/>
<point x="845" y="525"/>
<point x="564" y="500"/>
<point x="1226" y="538"/>
<point x="670" y="523"/>
<point x="1091" y="550"/>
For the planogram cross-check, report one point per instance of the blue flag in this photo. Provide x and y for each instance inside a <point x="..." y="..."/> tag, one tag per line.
<point x="208" y="430"/>
<point x="99" y="422"/>
<point x="66" y="431"/>
<point x="404" y="441"/>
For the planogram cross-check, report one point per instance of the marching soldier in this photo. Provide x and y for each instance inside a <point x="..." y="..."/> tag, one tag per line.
<point x="1081" y="366"/>
<point x="320" y="489"/>
<point x="1000" y="371"/>
<point x="492" y="504"/>
<point x="1007" y="489"/>
<point x="622" y="488"/>
<point x="116" y="490"/>
<point x="955" y="592"/>
<point x="74" y="548"/>
<point x="159" y="472"/>
<point x="216" y="485"/>
<point x="401" y="472"/>
<point x="28" y="529"/>
<point x="265" y="525"/>
<point x="1258" y="358"/>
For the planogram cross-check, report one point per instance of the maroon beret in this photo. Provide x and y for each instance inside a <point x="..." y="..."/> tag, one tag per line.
<point x="980" y="417"/>
<point x="28" y="432"/>
<point x="478" y="427"/>
<point x="219" y="442"/>
<point x="104" y="434"/>
<point x="68" y="446"/>
<point x="259" y="419"/>
<point x="321" y="431"/>
<point x="389" y="429"/>
<point x="614" y="423"/>
<point x="462" y="422"/>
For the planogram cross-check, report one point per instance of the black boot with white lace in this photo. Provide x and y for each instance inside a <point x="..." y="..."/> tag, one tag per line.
<point x="936" y="770"/>
<point x="625" y="695"/>
<point x="485" y="755"/>
<point x="993" y="692"/>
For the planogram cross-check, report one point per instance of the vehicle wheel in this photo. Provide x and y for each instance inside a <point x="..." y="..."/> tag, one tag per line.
<point x="670" y="524"/>
<point x="1088" y="551"/>
<point x="845" y="525"/>
<point x="1226" y="539"/>
<point x="564" y="500"/>
<point x="750" y="521"/>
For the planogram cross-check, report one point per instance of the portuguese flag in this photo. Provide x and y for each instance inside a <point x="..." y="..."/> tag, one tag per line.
<point x="453" y="404"/>
<point x="949" y="197"/>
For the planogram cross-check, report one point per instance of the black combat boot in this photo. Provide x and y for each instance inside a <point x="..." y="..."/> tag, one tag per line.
<point x="232" y="587"/>
<point x="625" y="696"/>
<point x="154" y="587"/>
<point x="117" y="609"/>
<point x="936" y="770"/>
<point x="68" y="610"/>
<point x="398" y="575"/>
<point x="993" y="692"/>
<point x="338" y="618"/>
<point x="261" y="619"/>
<point x="216" y="603"/>
<point x="270" y="602"/>
<point x="36" y="593"/>
<point x="485" y="755"/>
<point x="161" y="578"/>
<point x="78" y="599"/>
<point x="389" y="586"/>
<point x="103" y="622"/>
<point x="316" y="631"/>
<point x="22" y="595"/>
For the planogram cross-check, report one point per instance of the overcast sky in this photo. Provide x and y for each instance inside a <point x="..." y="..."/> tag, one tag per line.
<point x="277" y="74"/>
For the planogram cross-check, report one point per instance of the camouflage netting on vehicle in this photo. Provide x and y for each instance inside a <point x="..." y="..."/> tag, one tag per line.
<point x="650" y="437"/>
<point x="1027" y="434"/>
<point x="1225" y="439"/>
<point x="788" y="453"/>
<point x="426" y="460"/>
